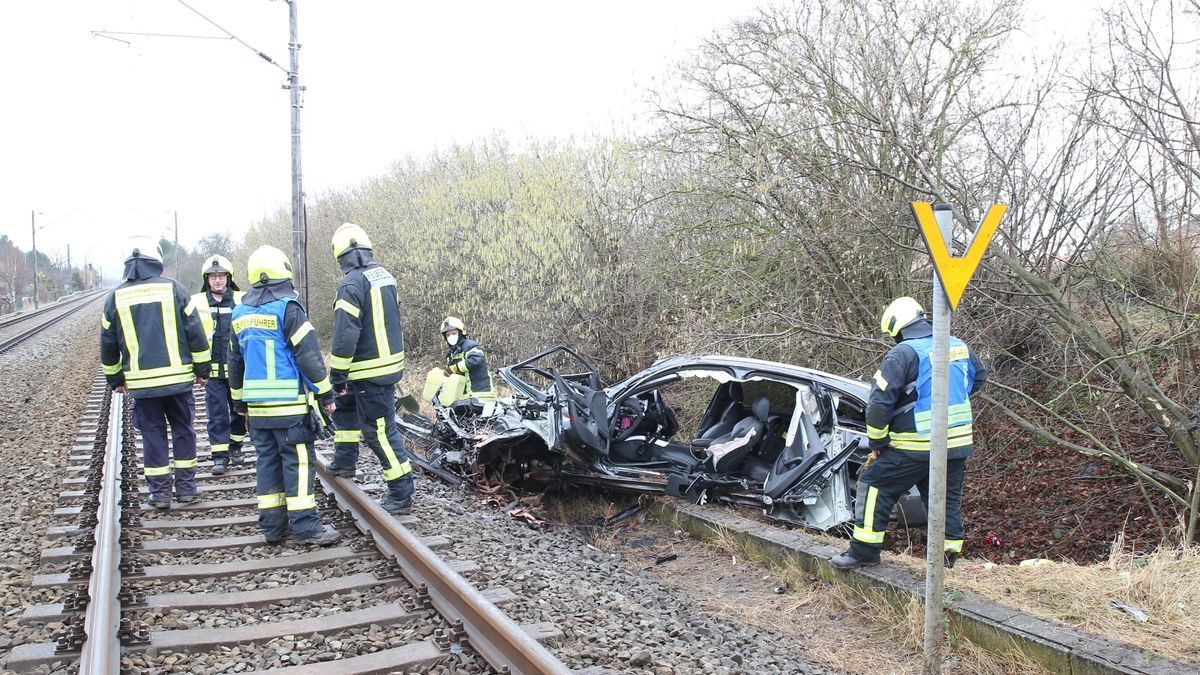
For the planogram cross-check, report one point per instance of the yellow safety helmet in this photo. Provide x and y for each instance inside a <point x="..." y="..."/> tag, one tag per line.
<point x="216" y="264"/>
<point x="268" y="263"/>
<point x="902" y="312"/>
<point x="452" y="323"/>
<point x="142" y="246"/>
<point x="349" y="237"/>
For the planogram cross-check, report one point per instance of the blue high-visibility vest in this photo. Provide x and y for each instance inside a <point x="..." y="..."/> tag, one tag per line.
<point x="962" y="376"/>
<point x="271" y="373"/>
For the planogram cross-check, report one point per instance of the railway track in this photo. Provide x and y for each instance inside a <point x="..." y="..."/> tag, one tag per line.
<point x="18" y="328"/>
<point x="196" y="589"/>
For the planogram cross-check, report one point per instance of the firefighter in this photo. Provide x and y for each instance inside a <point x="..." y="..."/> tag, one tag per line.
<point x="275" y="369"/>
<point x="218" y="295"/>
<point x="366" y="362"/>
<point x="466" y="357"/>
<point x="152" y="347"/>
<point x="898" y="429"/>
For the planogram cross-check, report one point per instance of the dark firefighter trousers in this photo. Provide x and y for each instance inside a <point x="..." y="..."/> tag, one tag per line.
<point x="883" y="483"/>
<point x="285" y="467"/>
<point x="226" y="429"/>
<point x="151" y="416"/>
<point x="368" y="412"/>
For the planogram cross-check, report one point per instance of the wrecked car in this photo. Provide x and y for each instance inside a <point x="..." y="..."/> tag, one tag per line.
<point x="786" y="439"/>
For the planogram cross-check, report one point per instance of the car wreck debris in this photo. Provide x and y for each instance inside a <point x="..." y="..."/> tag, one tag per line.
<point x="786" y="439"/>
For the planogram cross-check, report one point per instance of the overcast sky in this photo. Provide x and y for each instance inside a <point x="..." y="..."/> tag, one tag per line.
<point x="108" y="138"/>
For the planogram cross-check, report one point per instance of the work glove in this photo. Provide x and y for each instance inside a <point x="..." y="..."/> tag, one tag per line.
<point x="326" y="403"/>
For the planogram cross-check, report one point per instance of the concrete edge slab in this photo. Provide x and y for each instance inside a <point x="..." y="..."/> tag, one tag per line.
<point x="1000" y="629"/>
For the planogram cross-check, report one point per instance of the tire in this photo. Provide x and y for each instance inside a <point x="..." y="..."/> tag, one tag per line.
<point x="910" y="511"/>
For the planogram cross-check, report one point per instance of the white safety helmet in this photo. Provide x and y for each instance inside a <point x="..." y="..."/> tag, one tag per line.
<point x="216" y="264"/>
<point x="453" y="323"/>
<point x="902" y="312"/>
<point x="142" y="246"/>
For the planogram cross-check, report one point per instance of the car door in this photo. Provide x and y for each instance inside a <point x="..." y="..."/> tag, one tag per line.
<point x="586" y="410"/>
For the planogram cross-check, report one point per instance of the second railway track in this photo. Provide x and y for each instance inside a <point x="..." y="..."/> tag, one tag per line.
<point x="16" y="329"/>
<point x="196" y="589"/>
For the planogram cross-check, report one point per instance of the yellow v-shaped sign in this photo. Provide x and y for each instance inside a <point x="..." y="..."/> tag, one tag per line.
<point x="956" y="272"/>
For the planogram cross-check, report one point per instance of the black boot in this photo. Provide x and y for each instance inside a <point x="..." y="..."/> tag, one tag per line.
<point x="323" y="537"/>
<point x="220" y="464"/>
<point x="846" y="560"/>
<point x="395" y="506"/>
<point x="236" y="457"/>
<point x="343" y="471"/>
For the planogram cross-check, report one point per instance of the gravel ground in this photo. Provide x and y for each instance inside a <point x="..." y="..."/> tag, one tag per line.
<point x="611" y="616"/>
<point x="261" y="580"/>
<point x="46" y="381"/>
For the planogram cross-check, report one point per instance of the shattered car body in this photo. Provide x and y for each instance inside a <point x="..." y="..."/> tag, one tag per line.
<point x="786" y="439"/>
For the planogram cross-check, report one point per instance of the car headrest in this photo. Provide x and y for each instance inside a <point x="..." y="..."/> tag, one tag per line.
<point x="735" y="411"/>
<point x="761" y="408"/>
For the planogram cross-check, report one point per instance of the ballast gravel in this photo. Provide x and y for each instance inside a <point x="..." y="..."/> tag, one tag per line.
<point x="46" y="381"/>
<point x="611" y="619"/>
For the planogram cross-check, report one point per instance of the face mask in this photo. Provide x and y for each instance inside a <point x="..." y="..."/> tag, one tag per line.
<point x="452" y="339"/>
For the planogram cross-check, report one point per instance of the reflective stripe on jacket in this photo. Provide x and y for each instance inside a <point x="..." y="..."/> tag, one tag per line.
<point x="217" y="319"/>
<point x="467" y="358"/>
<point x="960" y="421"/>
<point x="368" y="335"/>
<point x="899" y="406"/>
<point x="265" y="372"/>
<point x="149" y="340"/>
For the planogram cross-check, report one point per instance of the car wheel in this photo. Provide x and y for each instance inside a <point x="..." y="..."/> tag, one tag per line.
<point x="910" y="512"/>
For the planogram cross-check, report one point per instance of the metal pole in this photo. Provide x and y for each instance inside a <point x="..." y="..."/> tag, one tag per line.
<point x="33" y="234"/>
<point x="936" y="539"/>
<point x="177" y="245"/>
<point x="299" y="227"/>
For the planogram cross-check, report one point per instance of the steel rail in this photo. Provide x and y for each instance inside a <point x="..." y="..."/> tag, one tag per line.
<point x="496" y="637"/>
<point x="102" y="622"/>
<point x="17" y="317"/>
<point x="17" y="339"/>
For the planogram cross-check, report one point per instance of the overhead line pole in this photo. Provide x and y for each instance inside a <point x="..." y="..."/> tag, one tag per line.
<point x="177" y="245"/>
<point x="299" y="225"/>
<point x="33" y="234"/>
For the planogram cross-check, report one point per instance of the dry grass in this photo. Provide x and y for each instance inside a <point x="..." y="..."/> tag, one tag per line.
<point x="1164" y="584"/>
<point x="868" y="630"/>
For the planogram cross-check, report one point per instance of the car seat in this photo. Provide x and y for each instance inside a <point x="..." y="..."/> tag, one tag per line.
<point x="728" y="451"/>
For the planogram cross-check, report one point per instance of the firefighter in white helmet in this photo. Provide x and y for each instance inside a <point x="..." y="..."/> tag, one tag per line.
<point x="898" y="429"/>
<point x="464" y="356"/>
<point x="154" y="348"/>
<point x="214" y="304"/>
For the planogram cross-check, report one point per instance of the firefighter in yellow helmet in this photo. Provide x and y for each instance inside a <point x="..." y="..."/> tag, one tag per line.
<point x="154" y="348"/>
<point x="465" y="357"/>
<point x="367" y="360"/>
<point x="275" y="372"/>
<point x="898" y="429"/>
<point x="214" y="304"/>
